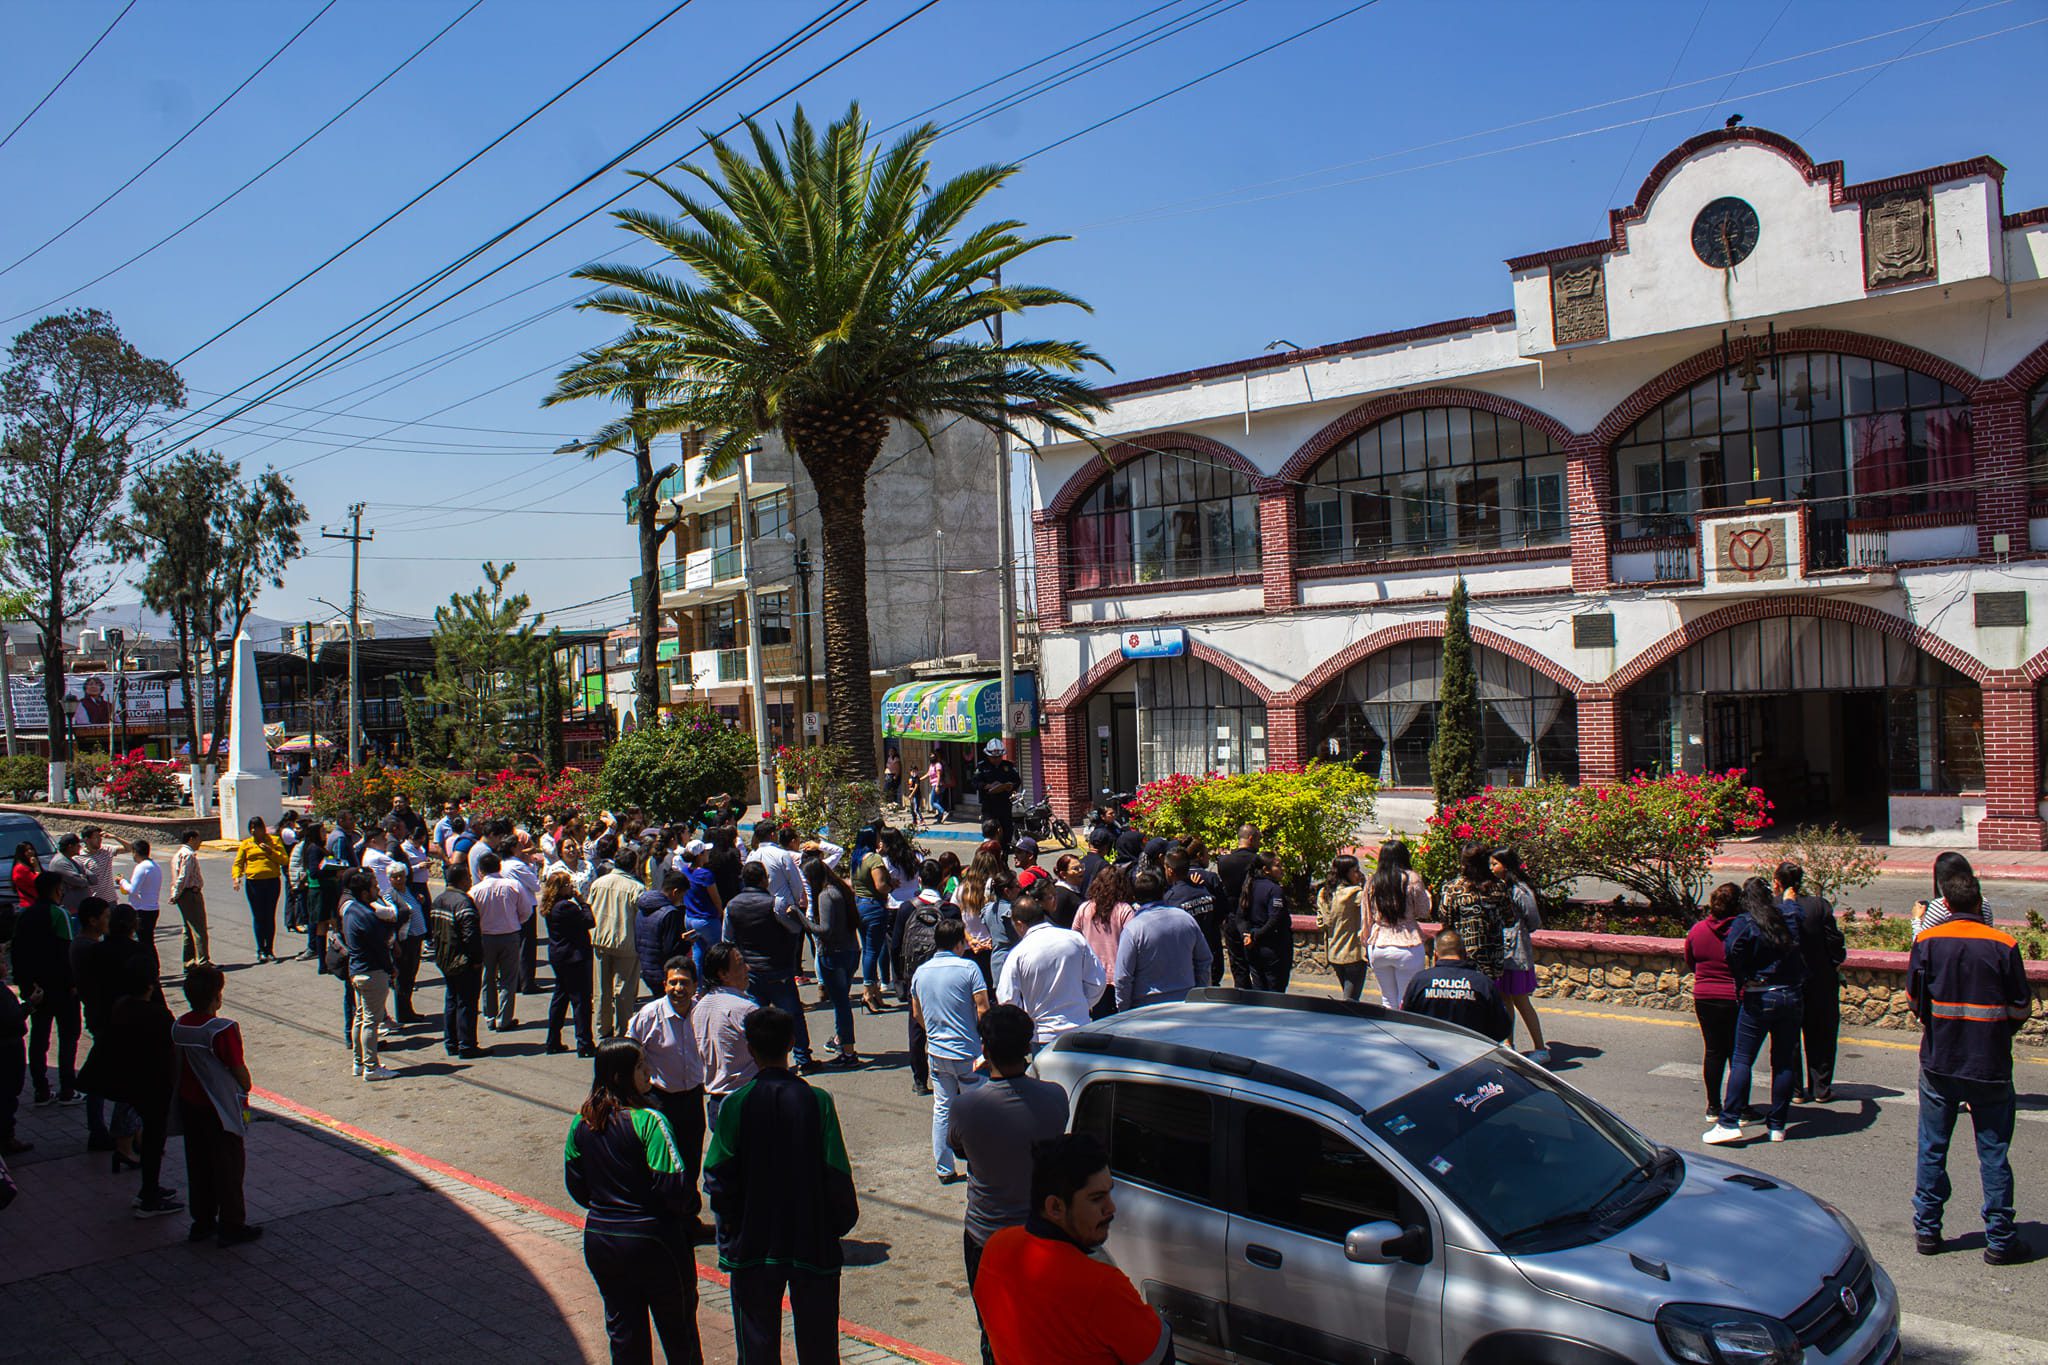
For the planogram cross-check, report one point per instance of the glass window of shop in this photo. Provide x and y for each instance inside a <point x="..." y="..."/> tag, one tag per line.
<point x="1192" y="717"/>
<point x="1166" y="515"/>
<point x="1382" y="716"/>
<point x="1435" y="481"/>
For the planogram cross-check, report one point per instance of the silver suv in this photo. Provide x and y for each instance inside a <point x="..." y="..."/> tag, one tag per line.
<point x="1309" y="1180"/>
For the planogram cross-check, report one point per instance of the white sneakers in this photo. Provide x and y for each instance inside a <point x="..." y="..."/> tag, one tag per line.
<point x="1720" y="1135"/>
<point x="1777" y="1134"/>
<point x="378" y="1073"/>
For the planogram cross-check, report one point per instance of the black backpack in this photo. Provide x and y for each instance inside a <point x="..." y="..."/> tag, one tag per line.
<point x="920" y="943"/>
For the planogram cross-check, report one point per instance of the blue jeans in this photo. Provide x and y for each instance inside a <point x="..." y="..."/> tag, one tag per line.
<point x="708" y="929"/>
<point x="835" y="972"/>
<point x="874" y="941"/>
<point x="1991" y="1114"/>
<point x="782" y="992"/>
<point x="1753" y="1024"/>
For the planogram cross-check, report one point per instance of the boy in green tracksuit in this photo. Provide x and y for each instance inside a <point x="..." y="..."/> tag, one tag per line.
<point x="782" y="1190"/>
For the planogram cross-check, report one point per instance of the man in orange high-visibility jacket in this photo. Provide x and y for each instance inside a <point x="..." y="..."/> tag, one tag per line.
<point x="1969" y="990"/>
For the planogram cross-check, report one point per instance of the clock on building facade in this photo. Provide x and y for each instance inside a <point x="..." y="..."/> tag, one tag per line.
<point x="1725" y="233"/>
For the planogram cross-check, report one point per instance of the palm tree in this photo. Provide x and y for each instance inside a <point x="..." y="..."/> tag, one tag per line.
<point x="611" y="372"/>
<point x="835" y="292"/>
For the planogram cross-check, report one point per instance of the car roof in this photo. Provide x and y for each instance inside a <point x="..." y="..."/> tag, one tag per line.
<point x="1356" y="1055"/>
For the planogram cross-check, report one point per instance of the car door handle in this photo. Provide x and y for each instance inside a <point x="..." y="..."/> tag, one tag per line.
<point x="1262" y="1256"/>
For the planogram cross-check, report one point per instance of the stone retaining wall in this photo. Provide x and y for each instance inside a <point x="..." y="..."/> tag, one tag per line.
<point x="1627" y="969"/>
<point x="162" y="831"/>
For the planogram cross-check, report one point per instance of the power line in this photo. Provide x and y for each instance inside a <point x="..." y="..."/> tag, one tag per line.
<point x="48" y="94"/>
<point x="1903" y="52"/>
<point x="468" y="161"/>
<point x="222" y="202"/>
<point x="320" y="365"/>
<point x="179" y="141"/>
<point x="1756" y="47"/>
<point x="1676" y="62"/>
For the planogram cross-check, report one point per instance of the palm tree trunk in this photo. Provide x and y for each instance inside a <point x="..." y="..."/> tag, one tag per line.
<point x="841" y="481"/>
<point x="646" y="705"/>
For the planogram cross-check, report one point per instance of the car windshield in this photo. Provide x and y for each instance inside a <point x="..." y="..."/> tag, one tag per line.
<point x="32" y="835"/>
<point x="1537" y="1165"/>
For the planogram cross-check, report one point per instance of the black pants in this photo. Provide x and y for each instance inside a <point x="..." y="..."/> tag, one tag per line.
<point x="1717" y="1031"/>
<point x="1233" y="953"/>
<point x="61" y="1010"/>
<point x="1818" y="1028"/>
<point x="460" y="989"/>
<point x="13" y="1063"/>
<point x="1270" y="973"/>
<point x="405" y="978"/>
<point x="1351" y="976"/>
<point x="920" y="1059"/>
<point x="214" y="1165"/>
<point x="684" y="1110"/>
<point x="571" y="996"/>
<point x="145" y="934"/>
<point x="529" y="955"/>
<point x="972" y="1250"/>
<point x="262" y="894"/>
<point x="1211" y="924"/>
<point x="757" y="1314"/>
<point x="642" y="1274"/>
<point x="1105" y="1004"/>
<point x="156" y="1127"/>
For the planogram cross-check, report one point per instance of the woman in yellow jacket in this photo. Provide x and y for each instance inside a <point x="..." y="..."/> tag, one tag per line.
<point x="259" y="871"/>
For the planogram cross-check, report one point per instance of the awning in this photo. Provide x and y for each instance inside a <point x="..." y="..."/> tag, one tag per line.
<point x="968" y="711"/>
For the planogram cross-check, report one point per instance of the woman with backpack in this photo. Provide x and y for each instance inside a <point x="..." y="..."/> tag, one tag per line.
<point x="1517" y="980"/>
<point x="1101" y="920"/>
<point x="1338" y="915"/>
<point x="1764" y="958"/>
<point x="915" y="940"/>
<point x="1479" y="908"/>
<point x="977" y="905"/>
<point x="1397" y="900"/>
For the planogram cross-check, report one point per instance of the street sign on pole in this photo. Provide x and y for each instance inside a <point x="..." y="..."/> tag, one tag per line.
<point x="814" y="723"/>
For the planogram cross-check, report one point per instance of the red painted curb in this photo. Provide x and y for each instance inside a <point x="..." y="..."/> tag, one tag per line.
<point x="567" y="1216"/>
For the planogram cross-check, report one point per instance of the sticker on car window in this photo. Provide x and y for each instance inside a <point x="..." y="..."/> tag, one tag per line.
<point x="1478" y="1095"/>
<point x="1439" y="1165"/>
<point x="1399" y="1124"/>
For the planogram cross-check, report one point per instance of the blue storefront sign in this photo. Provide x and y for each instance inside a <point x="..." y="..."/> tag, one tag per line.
<point x="1160" y="642"/>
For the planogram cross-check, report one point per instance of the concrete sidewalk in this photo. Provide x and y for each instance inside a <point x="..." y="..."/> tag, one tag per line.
<point x="1914" y="861"/>
<point x="368" y="1253"/>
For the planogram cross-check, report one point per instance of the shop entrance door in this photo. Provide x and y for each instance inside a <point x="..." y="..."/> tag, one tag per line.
<point x="1821" y="757"/>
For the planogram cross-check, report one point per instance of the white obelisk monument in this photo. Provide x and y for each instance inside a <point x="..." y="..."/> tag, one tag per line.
<point x="249" y="787"/>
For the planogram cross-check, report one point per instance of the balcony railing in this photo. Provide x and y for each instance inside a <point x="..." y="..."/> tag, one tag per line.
<point x="1677" y="563"/>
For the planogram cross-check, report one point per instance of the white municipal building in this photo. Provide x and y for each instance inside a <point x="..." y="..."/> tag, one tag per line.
<point x="1757" y="477"/>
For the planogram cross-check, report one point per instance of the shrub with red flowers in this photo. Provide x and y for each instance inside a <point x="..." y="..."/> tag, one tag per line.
<point x="1652" y="835"/>
<point x="135" y="780"/>
<point x="533" y="799"/>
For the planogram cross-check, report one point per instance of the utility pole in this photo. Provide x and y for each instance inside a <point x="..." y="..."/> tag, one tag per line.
<point x="7" y="689"/>
<point x="1006" y="598"/>
<point x="312" y="710"/>
<point x="803" y="597"/>
<point x="355" y="537"/>
<point x="764" y="766"/>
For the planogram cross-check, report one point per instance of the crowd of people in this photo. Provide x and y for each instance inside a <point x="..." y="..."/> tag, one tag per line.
<point x="700" y="1093"/>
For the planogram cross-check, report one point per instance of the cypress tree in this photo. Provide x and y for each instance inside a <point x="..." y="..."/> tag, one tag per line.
<point x="1454" y="756"/>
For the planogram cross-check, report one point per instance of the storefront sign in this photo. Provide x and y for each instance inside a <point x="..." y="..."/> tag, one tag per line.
<point x="1159" y="642"/>
<point x="967" y="712"/>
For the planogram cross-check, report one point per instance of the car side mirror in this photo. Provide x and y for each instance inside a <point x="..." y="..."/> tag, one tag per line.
<point x="1380" y="1242"/>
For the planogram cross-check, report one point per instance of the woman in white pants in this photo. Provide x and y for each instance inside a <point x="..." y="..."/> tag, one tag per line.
<point x="1397" y="902"/>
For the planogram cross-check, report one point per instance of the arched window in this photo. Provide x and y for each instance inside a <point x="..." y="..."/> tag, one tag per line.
<point x="1167" y="514"/>
<point x="1434" y="481"/>
<point x="1195" y="718"/>
<point x="1854" y="438"/>
<point x="1382" y="714"/>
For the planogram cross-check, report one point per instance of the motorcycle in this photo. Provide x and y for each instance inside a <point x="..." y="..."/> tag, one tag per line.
<point x="1042" y="825"/>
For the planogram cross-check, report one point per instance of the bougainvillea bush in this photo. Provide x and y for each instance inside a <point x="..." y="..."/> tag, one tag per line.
<point x="1652" y="835"/>
<point x="671" y="769"/>
<point x="1307" y="816"/>
<point x="818" y="796"/>
<point x="133" y="781"/>
<point x="533" y="799"/>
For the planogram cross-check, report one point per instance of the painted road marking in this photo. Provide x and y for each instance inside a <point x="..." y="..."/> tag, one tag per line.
<point x="1547" y="1010"/>
<point x="1852" y="1093"/>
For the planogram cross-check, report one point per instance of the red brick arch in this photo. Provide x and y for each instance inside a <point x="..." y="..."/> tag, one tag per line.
<point x="1686" y="373"/>
<point x="1368" y="415"/>
<point x="1856" y="613"/>
<point x="1096" y="470"/>
<point x="1334" y="667"/>
<point x="1110" y="665"/>
<point x="2029" y="372"/>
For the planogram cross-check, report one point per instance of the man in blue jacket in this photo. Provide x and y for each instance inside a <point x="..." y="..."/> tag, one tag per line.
<point x="658" y="929"/>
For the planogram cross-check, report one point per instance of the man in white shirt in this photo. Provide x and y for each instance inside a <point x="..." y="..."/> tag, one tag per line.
<point x="1052" y="973"/>
<point x="785" y="871"/>
<point x="669" y="1045"/>
<point x="98" y="861"/>
<point x="719" y="1022"/>
<point x="189" y="895"/>
<point x="503" y="907"/>
<point x="144" y="890"/>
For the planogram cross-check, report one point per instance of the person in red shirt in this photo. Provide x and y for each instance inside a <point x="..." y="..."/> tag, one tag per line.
<point x="1050" y="1262"/>
<point x="1714" y="999"/>
<point x="213" y="1094"/>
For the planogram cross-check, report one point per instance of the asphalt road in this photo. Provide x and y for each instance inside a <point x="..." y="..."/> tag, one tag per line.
<point x="503" y="1118"/>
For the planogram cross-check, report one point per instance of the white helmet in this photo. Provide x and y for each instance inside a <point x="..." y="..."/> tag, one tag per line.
<point x="993" y="748"/>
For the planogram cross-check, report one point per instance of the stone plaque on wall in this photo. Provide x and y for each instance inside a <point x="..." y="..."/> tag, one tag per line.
<point x="1751" y="551"/>
<point x="1898" y="238"/>
<point x="1578" y="302"/>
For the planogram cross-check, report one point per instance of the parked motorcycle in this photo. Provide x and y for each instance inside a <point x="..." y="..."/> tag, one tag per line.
<point x="1042" y="825"/>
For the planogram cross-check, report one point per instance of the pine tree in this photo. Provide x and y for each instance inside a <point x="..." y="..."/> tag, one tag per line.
<point x="485" y="657"/>
<point x="1454" y="756"/>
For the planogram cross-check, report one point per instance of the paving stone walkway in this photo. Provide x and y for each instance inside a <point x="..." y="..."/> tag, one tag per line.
<point x="366" y="1255"/>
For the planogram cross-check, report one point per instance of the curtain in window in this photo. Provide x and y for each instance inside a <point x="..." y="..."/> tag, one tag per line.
<point x="1949" y="460"/>
<point x="1528" y="703"/>
<point x="1879" y="463"/>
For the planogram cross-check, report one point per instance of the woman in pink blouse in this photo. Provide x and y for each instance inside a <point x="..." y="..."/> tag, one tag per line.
<point x="1101" y="920"/>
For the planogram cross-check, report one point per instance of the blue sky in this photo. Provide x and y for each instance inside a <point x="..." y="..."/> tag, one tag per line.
<point x="1372" y="175"/>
